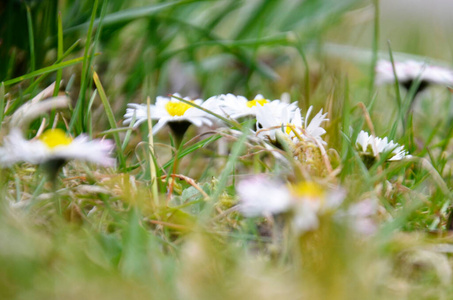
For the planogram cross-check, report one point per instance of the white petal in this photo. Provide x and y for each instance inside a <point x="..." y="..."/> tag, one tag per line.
<point x="261" y="196"/>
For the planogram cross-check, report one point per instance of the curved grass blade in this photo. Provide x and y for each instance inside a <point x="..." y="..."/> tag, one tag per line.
<point x="231" y="122"/>
<point x="192" y="148"/>
<point x="45" y="70"/>
<point x="129" y="15"/>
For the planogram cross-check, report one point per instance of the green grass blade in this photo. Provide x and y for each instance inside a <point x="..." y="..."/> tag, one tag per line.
<point x="31" y="40"/>
<point x="89" y="114"/>
<point x="398" y="96"/>
<point x="42" y="77"/>
<point x="59" y="55"/>
<point x="375" y="47"/>
<point x="129" y="15"/>
<point x="110" y="117"/>
<point x="127" y="137"/>
<point x="2" y="103"/>
<point x="192" y="148"/>
<point x="79" y="110"/>
<point x="232" y="123"/>
<point x="45" y="70"/>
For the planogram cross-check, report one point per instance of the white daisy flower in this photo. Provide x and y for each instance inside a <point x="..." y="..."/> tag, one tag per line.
<point x="54" y="145"/>
<point x="370" y="146"/>
<point x="289" y="122"/>
<point x="409" y="71"/>
<point x="169" y="111"/>
<point x="269" y="123"/>
<point x="261" y="196"/>
<point x="235" y="107"/>
<point x="313" y="130"/>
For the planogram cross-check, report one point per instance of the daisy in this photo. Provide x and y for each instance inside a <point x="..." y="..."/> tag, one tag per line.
<point x="313" y="130"/>
<point x="54" y="147"/>
<point x="261" y="196"/>
<point x="370" y="147"/>
<point x="304" y="202"/>
<point x="269" y="123"/>
<point x="177" y="114"/>
<point x="290" y="123"/>
<point x="235" y="107"/>
<point x="409" y="71"/>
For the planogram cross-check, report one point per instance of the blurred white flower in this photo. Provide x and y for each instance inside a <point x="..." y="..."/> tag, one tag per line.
<point x="371" y="146"/>
<point x="409" y="71"/>
<point x="261" y="196"/>
<point x="311" y="200"/>
<point x="54" y="144"/>
<point x="168" y="111"/>
<point x="362" y="215"/>
<point x="235" y="107"/>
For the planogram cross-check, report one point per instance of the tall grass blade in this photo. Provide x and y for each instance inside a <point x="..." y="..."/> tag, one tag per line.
<point x="31" y="39"/>
<point x="111" y="119"/>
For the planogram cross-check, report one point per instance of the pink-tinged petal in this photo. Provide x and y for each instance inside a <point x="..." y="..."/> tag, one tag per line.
<point x="94" y="151"/>
<point x="16" y="149"/>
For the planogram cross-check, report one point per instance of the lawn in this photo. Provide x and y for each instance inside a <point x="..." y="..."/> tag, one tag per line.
<point x="225" y="149"/>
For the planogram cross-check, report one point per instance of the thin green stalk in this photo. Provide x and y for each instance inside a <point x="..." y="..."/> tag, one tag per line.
<point x="111" y="118"/>
<point x="232" y="123"/>
<point x="298" y="45"/>
<point x="152" y="155"/>
<point x="90" y="115"/>
<point x="238" y="147"/>
<point x="18" y="188"/>
<point x="37" y="192"/>
<point x="2" y="103"/>
<point x="375" y="47"/>
<point x="31" y="39"/>
<point x="192" y="148"/>
<point x="59" y="55"/>
<point x="79" y="110"/>
<point x="93" y="47"/>
<point x="398" y="96"/>
<point x="128" y="134"/>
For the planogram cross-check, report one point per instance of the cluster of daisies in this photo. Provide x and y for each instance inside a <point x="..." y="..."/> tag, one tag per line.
<point x="272" y="116"/>
<point x="274" y="121"/>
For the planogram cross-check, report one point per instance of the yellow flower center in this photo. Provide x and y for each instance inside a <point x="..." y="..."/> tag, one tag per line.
<point x="308" y="189"/>
<point x="177" y="108"/>
<point x="288" y="128"/>
<point x="55" y="137"/>
<point x="256" y="102"/>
